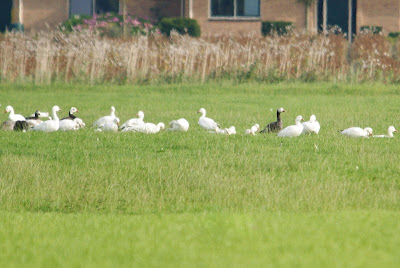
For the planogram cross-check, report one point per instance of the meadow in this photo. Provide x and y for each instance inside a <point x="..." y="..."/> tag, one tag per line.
<point x="197" y="199"/>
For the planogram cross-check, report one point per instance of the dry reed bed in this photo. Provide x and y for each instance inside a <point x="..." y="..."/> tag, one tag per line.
<point x="86" y="57"/>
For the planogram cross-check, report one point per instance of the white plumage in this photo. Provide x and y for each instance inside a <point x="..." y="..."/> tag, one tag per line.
<point x="391" y="129"/>
<point x="68" y="124"/>
<point x="109" y="118"/>
<point x="311" y="126"/>
<point x="226" y="131"/>
<point x="13" y="116"/>
<point x="293" y="130"/>
<point x="205" y="122"/>
<point x="109" y="126"/>
<point x="357" y="132"/>
<point x="148" y="128"/>
<point x="179" y="125"/>
<point x="253" y="129"/>
<point x="134" y="121"/>
<point x="49" y="125"/>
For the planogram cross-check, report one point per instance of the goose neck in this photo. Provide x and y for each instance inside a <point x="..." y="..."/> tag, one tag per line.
<point x="55" y="117"/>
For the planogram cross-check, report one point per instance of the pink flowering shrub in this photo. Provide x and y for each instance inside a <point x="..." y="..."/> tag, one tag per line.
<point x="109" y="24"/>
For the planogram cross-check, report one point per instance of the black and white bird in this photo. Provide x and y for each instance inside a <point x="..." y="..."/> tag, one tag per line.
<point x="277" y="125"/>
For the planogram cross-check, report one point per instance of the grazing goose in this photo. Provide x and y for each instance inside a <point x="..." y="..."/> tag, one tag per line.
<point x="311" y="126"/>
<point x="71" y="115"/>
<point x="253" y="129"/>
<point x="109" y="118"/>
<point x="179" y="125"/>
<point x="12" y="116"/>
<point x="357" y="132"/>
<point x="148" y="128"/>
<point x="8" y="125"/>
<point x="67" y="125"/>
<point x="277" y="125"/>
<point x="293" y="130"/>
<point x="134" y="121"/>
<point x="205" y="122"/>
<point x="34" y="120"/>
<point x="49" y="125"/>
<point x="391" y="129"/>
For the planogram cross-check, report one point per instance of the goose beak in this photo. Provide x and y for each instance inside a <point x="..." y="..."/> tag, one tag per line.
<point x="77" y="111"/>
<point x="302" y="119"/>
<point x="283" y="111"/>
<point x="395" y="130"/>
<point x="197" y="112"/>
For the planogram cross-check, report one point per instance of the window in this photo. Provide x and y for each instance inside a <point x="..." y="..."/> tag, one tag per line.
<point x="235" y="8"/>
<point x="80" y="7"/>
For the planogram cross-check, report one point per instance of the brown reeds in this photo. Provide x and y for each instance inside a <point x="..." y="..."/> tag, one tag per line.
<point x="86" y="57"/>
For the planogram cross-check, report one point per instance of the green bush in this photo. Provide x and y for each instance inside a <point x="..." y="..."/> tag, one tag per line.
<point x="371" y="29"/>
<point x="276" y="27"/>
<point x="394" y="34"/>
<point x="74" y="21"/>
<point x="181" y="25"/>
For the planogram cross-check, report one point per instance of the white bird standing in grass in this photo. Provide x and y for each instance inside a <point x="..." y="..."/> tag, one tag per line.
<point x="357" y="132"/>
<point x="311" y="126"/>
<point x="134" y="121"/>
<point x="391" y="129"/>
<point x="179" y="125"/>
<point x="109" y="126"/>
<point x="49" y="125"/>
<point x="109" y="118"/>
<point x="293" y="130"/>
<point x="12" y="116"/>
<point x="205" y="122"/>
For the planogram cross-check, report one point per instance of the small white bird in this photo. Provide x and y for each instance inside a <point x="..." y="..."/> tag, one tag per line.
<point x="253" y="129"/>
<point x="357" y="132"/>
<point x="49" y="125"/>
<point x="205" y="122"/>
<point x="226" y="131"/>
<point x="109" y="118"/>
<point x="134" y="121"/>
<point x="179" y="125"/>
<point x="12" y="116"/>
<point x="311" y="126"/>
<point x="293" y="130"/>
<point x="109" y="126"/>
<point x="391" y="129"/>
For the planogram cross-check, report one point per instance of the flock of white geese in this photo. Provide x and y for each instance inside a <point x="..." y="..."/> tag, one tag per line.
<point x="111" y="122"/>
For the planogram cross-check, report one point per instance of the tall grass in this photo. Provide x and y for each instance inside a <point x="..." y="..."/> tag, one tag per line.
<point x="87" y="57"/>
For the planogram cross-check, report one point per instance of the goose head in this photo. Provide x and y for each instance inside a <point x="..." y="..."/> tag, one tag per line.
<point x="73" y="110"/>
<point x="112" y="111"/>
<point x="9" y="109"/>
<point x="368" y="130"/>
<point x="56" y="109"/>
<point x="37" y="114"/>
<point x="161" y="125"/>
<point x="202" y="111"/>
<point x="281" y="110"/>
<point x="140" y="114"/>
<point x="299" y="118"/>
<point x="313" y="118"/>
<point x="391" y="129"/>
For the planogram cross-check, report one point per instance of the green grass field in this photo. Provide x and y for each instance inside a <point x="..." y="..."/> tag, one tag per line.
<point x="197" y="199"/>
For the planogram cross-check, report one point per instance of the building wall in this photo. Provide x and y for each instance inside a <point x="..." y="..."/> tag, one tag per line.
<point x="151" y="9"/>
<point x="286" y="10"/>
<point x="385" y="13"/>
<point x="38" y="13"/>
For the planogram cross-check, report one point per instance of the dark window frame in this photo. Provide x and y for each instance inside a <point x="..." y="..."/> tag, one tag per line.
<point x="235" y="11"/>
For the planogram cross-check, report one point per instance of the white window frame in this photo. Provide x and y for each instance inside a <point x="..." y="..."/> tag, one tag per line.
<point x="234" y="17"/>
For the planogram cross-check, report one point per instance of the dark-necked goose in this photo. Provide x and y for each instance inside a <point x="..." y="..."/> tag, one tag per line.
<point x="275" y="126"/>
<point x="71" y="115"/>
<point x="33" y="120"/>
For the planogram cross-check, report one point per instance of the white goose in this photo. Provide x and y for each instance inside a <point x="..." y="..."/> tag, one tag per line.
<point x="391" y="129"/>
<point x="226" y="131"/>
<point x="253" y="129"/>
<point x="49" y="125"/>
<point x="205" y="122"/>
<point x="12" y="116"/>
<point x="311" y="126"/>
<point x="293" y="130"/>
<point x="357" y="132"/>
<point x="109" y="126"/>
<point x="109" y="118"/>
<point x="68" y="124"/>
<point x="134" y="121"/>
<point x="179" y="125"/>
<point x="148" y="128"/>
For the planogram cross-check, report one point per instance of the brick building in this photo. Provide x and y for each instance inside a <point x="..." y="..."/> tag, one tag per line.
<point x="217" y="16"/>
